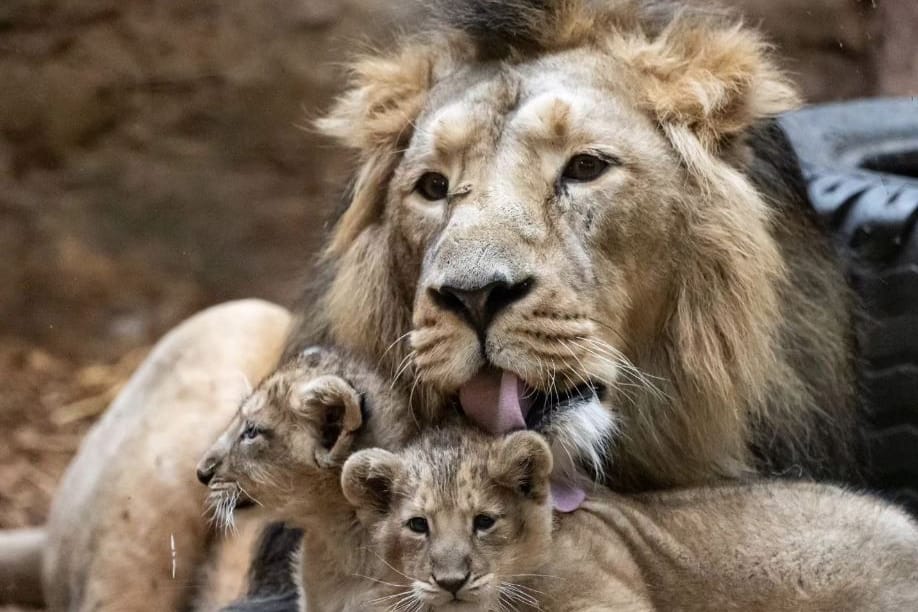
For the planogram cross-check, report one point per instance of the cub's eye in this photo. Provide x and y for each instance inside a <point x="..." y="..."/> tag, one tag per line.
<point x="483" y="522"/>
<point x="418" y="524"/>
<point x="249" y="432"/>
<point x="432" y="186"/>
<point x="584" y="168"/>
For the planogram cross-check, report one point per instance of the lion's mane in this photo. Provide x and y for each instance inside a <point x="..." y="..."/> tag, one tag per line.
<point x="758" y="344"/>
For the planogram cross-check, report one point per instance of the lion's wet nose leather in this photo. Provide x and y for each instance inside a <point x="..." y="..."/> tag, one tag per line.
<point x="452" y="583"/>
<point x="478" y="302"/>
<point x="205" y="472"/>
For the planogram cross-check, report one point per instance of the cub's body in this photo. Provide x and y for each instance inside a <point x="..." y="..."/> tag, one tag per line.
<point x="761" y="547"/>
<point x="458" y="520"/>
<point x="766" y="546"/>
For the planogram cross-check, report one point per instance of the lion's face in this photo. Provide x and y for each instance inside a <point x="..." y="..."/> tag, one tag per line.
<point x="570" y="220"/>
<point x="543" y="207"/>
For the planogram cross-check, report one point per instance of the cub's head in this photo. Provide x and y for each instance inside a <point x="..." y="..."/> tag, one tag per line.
<point x="300" y="421"/>
<point x="459" y="518"/>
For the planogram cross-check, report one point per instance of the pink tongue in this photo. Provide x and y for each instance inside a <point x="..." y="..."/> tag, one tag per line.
<point x="566" y="497"/>
<point x="496" y="400"/>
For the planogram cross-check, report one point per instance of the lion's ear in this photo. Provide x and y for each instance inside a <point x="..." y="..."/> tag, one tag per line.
<point x="368" y="479"/>
<point x="374" y="116"/>
<point x="522" y="463"/>
<point x="385" y="96"/>
<point x="714" y="79"/>
<point x="333" y="407"/>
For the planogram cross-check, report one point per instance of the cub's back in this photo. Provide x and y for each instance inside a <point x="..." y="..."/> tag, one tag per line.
<point x="770" y="546"/>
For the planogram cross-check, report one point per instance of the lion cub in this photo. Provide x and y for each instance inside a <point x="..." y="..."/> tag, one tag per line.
<point x="463" y="521"/>
<point x="284" y="449"/>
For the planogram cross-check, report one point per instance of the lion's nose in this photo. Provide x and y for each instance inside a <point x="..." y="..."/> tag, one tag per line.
<point x="206" y="471"/>
<point x="479" y="304"/>
<point x="452" y="583"/>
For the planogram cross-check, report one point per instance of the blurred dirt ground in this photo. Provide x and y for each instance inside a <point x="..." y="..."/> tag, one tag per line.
<point x="151" y="164"/>
<point x="47" y="405"/>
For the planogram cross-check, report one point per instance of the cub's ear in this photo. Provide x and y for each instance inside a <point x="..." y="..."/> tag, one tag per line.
<point x="713" y="78"/>
<point x="368" y="479"/>
<point x="522" y="462"/>
<point x="333" y="408"/>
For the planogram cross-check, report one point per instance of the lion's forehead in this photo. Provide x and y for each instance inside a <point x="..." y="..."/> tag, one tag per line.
<point x="510" y="113"/>
<point x="251" y="405"/>
<point x="254" y="404"/>
<point x="452" y="485"/>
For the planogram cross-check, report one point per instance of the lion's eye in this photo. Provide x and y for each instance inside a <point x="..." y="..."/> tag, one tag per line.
<point x="418" y="524"/>
<point x="483" y="522"/>
<point x="249" y="432"/>
<point x="432" y="186"/>
<point x="584" y="168"/>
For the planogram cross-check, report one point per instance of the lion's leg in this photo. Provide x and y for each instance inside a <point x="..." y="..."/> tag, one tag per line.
<point x="126" y="530"/>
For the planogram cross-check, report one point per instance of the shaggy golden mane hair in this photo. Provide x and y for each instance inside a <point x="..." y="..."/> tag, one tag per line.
<point x="759" y="298"/>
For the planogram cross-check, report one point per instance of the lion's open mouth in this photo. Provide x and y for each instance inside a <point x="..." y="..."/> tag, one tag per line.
<point x="545" y="405"/>
<point x="499" y="401"/>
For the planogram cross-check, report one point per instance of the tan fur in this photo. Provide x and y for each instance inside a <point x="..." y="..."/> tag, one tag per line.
<point x="224" y="575"/>
<point x="449" y="478"/>
<point x="766" y="547"/>
<point x="303" y="422"/>
<point x="772" y="547"/>
<point x="671" y="280"/>
<point x="131" y="488"/>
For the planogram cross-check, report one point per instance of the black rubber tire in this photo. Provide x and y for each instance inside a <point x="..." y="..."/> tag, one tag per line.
<point x="860" y="160"/>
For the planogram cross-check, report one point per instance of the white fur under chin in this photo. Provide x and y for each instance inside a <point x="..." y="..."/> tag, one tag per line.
<point x="581" y="435"/>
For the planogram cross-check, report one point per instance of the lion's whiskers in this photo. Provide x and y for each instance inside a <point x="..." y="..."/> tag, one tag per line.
<point x="619" y="363"/>
<point x="389" y="565"/>
<point x="406" y="362"/>
<point x="514" y="593"/>
<point x="391" y="346"/>
<point x="249" y="495"/>
<point x="222" y="504"/>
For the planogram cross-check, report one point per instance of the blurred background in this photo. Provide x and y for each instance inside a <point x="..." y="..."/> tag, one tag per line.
<point x="155" y="159"/>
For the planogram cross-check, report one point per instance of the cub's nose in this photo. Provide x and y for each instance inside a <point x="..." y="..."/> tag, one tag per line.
<point x="478" y="304"/>
<point x="206" y="470"/>
<point x="452" y="582"/>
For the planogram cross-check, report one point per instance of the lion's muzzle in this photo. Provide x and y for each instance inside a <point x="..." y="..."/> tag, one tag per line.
<point x="478" y="301"/>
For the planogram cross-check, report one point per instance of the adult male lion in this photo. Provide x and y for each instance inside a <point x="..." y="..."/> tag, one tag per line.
<point x="556" y="196"/>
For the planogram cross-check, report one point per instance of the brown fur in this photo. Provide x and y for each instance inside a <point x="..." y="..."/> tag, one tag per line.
<point x="674" y="279"/>
<point x="765" y="547"/>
